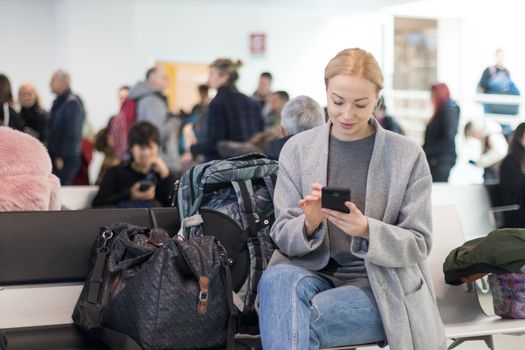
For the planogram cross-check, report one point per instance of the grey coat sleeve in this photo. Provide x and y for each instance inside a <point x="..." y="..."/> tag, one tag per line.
<point x="152" y="109"/>
<point x="287" y="231"/>
<point x="407" y="242"/>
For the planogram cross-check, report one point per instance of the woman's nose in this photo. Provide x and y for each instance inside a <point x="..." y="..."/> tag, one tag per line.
<point x="347" y="113"/>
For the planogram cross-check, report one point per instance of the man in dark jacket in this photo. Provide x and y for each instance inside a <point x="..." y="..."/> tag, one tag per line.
<point x="66" y="120"/>
<point x="299" y="114"/>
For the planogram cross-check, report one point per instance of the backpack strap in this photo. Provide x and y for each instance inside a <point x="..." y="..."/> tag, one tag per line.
<point x="244" y="191"/>
<point x="270" y="182"/>
<point x="230" y="339"/>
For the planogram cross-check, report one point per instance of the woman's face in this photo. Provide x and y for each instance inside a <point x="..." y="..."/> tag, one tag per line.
<point x="143" y="155"/>
<point x="216" y="79"/>
<point x="523" y="140"/>
<point x="27" y="97"/>
<point x="351" y="101"/>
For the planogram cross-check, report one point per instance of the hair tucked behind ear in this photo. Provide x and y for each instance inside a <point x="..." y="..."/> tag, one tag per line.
<point x="228" y="67"/>
<point x="356" y="62"/>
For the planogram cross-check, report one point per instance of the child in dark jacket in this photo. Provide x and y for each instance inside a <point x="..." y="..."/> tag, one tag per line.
<point x="144" y="181"/>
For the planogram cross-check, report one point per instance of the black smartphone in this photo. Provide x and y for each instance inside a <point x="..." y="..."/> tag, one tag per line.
<point x="145" y="184"/>
<point x="335" y="197"/>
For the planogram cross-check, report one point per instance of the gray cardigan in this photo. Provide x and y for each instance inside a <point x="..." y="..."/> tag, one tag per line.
<point x="398" y="210"/>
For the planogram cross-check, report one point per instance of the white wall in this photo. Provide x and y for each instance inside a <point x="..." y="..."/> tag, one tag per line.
<point x="28" y="43"/>
<point x="105" y="44"/>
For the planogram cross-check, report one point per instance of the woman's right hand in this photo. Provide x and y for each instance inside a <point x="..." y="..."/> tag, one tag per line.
<point x="311" y="206"/>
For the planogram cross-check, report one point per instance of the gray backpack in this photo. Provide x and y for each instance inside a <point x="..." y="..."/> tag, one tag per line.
<point x="232" y="200"/>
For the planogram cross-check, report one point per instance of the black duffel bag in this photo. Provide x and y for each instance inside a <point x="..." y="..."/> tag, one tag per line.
<point x="147" y="291"/>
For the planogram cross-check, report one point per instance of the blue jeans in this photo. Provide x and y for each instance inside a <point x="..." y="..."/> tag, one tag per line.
<point x="300" y="309"/>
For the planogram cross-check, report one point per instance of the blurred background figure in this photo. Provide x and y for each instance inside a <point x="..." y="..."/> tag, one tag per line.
<point x="496" y="80"/>
<point x="27" y="182"/>
<point x="87" y="146"/>
<point x="277" y="102"/>
<point x="152" y="104"/>
<point x="232" y="116"/>
<point x="299" y="114"/>
<point x="34" y="116"/>
<point x="387" y="121"/>
<point x="66" y="122"/>
<point x="512" y="179"/>
<point x="192" y="130"/>
<point x="487" y="146"/>
<point x="201" y="107"/>
<point x="263" y="94"/>
<point x="440" y="133"/>
<point x="141" y="182"/>
<point x="8" y="115"/>
<point x="146" y="101"/>
<point x="123" y="93"/>
<point x="104" y="144"/>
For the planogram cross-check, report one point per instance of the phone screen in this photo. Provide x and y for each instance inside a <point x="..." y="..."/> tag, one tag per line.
<point x="334" y="198"/>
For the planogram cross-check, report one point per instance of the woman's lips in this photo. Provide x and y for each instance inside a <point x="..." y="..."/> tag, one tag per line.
<point x="346" y="125"/>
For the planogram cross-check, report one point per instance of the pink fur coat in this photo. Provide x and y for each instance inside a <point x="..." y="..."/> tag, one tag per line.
<point x="26" y="182"/>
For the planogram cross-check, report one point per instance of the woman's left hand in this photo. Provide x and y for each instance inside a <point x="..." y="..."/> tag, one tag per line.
<point x="353" y="224"/>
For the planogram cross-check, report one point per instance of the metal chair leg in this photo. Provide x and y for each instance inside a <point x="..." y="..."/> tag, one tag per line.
<point x="488" y="339"/>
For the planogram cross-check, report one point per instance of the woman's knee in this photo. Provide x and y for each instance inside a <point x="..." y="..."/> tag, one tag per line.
<point x="280" y="275"/>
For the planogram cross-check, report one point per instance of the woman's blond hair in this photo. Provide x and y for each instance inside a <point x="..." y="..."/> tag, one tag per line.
<point x="355" y="62"/>
<point x="228" y="67"/>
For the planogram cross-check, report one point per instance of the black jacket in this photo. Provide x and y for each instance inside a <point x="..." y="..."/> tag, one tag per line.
<point x="512" y="191"/>
<point x="15" y="121"/>
<point x="67" y="117"/>
<point x="274" y="148"/>
<point x="37" y="121"/>
<point x="115" y="187"/>
<point x="232" y="116"/>
<point x="391" y="124"/>
<point x="441" y="133"/>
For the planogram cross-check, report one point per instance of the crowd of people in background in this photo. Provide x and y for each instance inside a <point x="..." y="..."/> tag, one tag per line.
<point x="145" y="145"/>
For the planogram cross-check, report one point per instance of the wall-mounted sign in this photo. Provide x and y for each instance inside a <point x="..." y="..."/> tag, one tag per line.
<point x="257" y="44"/>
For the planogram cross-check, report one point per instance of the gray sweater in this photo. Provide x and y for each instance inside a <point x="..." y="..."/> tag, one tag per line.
<point x="348" y="163"/>
<point x="398" y="210"/>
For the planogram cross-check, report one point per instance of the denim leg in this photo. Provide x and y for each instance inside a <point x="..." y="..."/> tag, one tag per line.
<point x="344" y="316"/>
<point x="284" y="317"/>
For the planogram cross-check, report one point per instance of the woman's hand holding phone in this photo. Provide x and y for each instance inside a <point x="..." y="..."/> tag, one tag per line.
<point x="311" y="206"/>
<point x="147" y="194"/>
<point x="354" y="224"/>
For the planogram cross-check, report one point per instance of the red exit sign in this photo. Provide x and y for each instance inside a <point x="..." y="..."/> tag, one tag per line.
<point x="258" y="43"/>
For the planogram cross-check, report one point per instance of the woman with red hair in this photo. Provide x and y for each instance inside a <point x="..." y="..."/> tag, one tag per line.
<point x="440" y="134"/>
